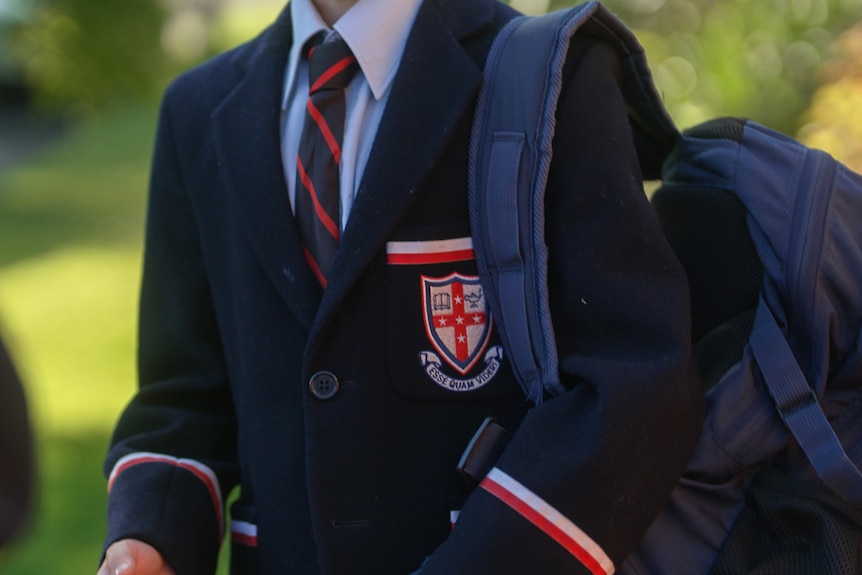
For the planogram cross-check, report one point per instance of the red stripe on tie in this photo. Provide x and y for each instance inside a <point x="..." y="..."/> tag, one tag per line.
<point x="332" y="71"/>
<point x="324" y="218"/>
<point x="542" y="523"/>
<point x="334" y="148"/>
<point x="438" y="258"/>
<point x="315" y="268"/>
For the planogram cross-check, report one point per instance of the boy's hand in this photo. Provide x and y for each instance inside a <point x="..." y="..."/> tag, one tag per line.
<point x="133" y="557"/>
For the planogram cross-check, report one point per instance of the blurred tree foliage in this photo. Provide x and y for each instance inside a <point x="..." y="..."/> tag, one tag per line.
<point x="82" y="55"/>
<point x="752" y="58"/>
<point x="834" y="120"/>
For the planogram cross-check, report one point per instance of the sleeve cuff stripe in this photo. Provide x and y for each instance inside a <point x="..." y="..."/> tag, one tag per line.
<point x="197" y="468"/>
<point x="541" y="514"/>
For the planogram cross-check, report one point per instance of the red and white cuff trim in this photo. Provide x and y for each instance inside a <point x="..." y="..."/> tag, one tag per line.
<point x="243" y="532"/>
<point x="541" y="514"/>
<point x="430" y="252"/>
<point x="197" y="468"/>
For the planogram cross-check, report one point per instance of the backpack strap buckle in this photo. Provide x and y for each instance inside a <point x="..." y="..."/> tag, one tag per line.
<point x="483" y="451"/>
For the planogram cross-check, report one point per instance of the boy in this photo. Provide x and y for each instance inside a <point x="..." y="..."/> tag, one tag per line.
<point x="337" y="374"/>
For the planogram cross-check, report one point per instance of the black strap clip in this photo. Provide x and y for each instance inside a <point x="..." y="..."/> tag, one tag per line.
<point x="483" y="451"/>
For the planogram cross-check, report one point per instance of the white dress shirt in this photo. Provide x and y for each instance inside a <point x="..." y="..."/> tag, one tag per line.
<point x="376" y="31"/>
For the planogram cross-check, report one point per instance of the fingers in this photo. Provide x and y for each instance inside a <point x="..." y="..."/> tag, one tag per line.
<point x="119" y="559"/>
<point x="133" y="557"/>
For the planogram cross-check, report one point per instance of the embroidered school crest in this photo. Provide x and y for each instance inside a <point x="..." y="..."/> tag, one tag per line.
<point x="458" y="326"/>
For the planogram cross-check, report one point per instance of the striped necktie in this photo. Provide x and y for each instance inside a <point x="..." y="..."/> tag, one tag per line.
<point x="331" y="66"/>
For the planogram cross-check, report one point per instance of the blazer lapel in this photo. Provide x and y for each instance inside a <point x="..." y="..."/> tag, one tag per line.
<point x="434" y="87"/>
<point x="248" y="143"/>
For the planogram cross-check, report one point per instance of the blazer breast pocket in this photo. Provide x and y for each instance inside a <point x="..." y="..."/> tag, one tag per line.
<point x="441" y="342"/>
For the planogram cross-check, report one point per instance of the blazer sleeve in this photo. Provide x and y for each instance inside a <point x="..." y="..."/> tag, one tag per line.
<point x="586" y="472"/>
<point x="173" y="455"/>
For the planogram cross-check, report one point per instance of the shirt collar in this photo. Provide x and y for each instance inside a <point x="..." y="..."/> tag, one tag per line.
<point x="375" y="30"/>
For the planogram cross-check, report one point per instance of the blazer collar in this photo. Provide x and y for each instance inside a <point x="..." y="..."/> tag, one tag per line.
<point x="248" y="143"/>
<point x="432" y="90"/>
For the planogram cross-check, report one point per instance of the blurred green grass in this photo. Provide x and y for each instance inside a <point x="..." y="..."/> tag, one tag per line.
<point x="71" y="222"/>
<point x="71" y="230"/>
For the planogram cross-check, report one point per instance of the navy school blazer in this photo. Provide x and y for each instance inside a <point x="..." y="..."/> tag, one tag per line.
<point x="234" y="334"/>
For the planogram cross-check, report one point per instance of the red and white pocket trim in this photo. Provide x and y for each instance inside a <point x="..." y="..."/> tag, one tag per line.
<point x="243" y="532"/>
<point x="544" y="516"/>
<point x="198" y="469"/>
<point x="429" y="252"/>
<point x="453" y="517"/>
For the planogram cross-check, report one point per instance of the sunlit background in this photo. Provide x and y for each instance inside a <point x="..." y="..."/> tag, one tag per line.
<point x="79" y="86"/>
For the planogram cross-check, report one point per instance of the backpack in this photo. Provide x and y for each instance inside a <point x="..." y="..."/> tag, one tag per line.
<point x="770" y="235"/>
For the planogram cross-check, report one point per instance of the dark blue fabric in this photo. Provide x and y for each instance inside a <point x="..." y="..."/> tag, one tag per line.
<point x="801" y="208"/>
<point x="800" y="409"/>
<point x="801" y="205"/>
<point x="520" y="97"/>
<point x="232" y="328"/>
<point x="520" y="94"/>
<point x="803" y="214"/>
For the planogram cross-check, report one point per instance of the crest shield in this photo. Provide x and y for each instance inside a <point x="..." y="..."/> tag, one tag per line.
<point x="457" y="321"/>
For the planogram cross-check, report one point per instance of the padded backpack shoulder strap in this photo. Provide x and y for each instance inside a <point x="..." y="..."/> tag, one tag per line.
<point x="510" y="155"/>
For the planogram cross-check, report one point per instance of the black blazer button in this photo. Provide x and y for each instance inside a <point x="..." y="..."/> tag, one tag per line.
<point x="323" y="385"/>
